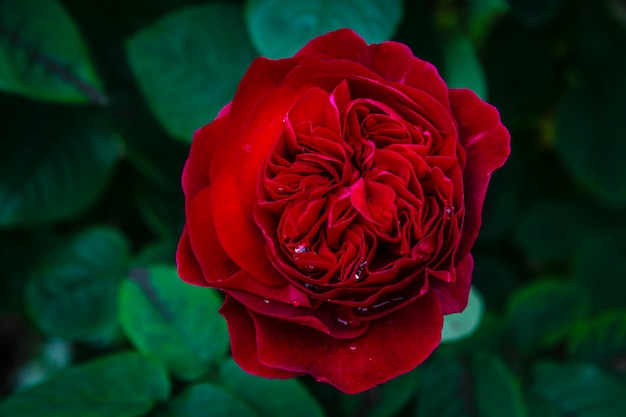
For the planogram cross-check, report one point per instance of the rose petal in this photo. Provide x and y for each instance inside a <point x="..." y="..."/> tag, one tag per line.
<point x="454" y="295"/>
<point x="487" y="145"/>
<point x="239" y="236"/>
<point x="188" y="267"/>
<point x="392" y="346"/>
<point x="243" y="343"/>
<point x="392" y="60"/>
<point x="215" y="263"/>
<point x="205" y="142"/>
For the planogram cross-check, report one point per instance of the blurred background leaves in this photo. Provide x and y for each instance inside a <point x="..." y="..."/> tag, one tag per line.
<point x="99" y="104"/>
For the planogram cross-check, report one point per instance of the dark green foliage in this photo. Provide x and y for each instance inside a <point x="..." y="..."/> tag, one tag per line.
<point x="99" y="104"/>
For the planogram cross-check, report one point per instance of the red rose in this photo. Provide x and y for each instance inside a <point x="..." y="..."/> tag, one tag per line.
<point x="335" y="201"/>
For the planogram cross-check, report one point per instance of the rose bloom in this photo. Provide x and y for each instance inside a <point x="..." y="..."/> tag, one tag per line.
<point x="334" y="201"/>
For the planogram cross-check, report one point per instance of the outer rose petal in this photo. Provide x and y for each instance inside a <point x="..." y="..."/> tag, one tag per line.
<point x="215" y="263"/>
<point x="392" y="346"/>
<point x="392" y="60"/>
<point x="188" y="267"/>
<point x="203" y="147"/>
<point x="243" y="344"/>
<point x="487" y="145"/>
<point x="454" y="295"/>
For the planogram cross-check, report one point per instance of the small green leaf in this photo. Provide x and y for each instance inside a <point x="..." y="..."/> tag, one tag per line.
<point x="52" y="170"/>
<point x="580" y="390"/>
<point x="73" y="293"/>
<point x="496" y="389"/>
<point x="462" y="66"/>
<point x="280" y="27"/>
<point x="174" y="321"/>
<point x="460" y="325"/>
<point x="260" y="393"/>
<point x="602" y="340"/>
<point x="42" y="54"/>
<point x="543" y="313"/>
<point x="211" y="400"/>
<point x="189" y="64"/>
<point x="123" y="385"/>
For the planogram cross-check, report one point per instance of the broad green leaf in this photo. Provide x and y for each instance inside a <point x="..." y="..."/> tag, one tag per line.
<point x="279" y="28"/>
<point x="497" y="391"/>
<point x="545" y="233"/>
<point x="189" y="64"/>
<point x="210" y="400"/>
<point x="542" y="313"/>
<point x="462" y="66"/>
<point x="594" y="109"/>
<point x="393" y="396"/>
<point x="445" y="376"/>
<point x="269" y="397"/>
<point x="43" y="56"/>
<point x="536" y="12"/>
<point x="602" y="340"/>
<point x="580" y="390"/>
<point x="122" y="385"/>
<point x="73" y="293"/>
<point x="174" y="321"/>
<point x="460" y="325"/>
<point x="52" y="170"/>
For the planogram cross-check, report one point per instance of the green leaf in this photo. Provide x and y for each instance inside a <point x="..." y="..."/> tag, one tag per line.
<point x="260" y="393"/>
<point x="541" y="314"/>
<point x="174" y="321"/>
<point x="42" y="54"/>
<point x="52" y="170"/>
<point x="462" y="66"/>
<point x="280" y="27"/>
<point x="73" y="293"/>
<point x="460" y="325"/>
<point x="602" y="340"/>
<point x="594" y="109"/>
<point x="123" y="385"/>
<point x="388" y="399"/>
<point x="580" y="390"/>
<point x="210" y="400"/>
<point x="189" y="64"/>
<point x="445" y="377"/>
<point x="496" y="389"/>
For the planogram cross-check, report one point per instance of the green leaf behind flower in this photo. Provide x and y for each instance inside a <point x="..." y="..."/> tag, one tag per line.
<point x="189" y="64"/>
<point x="174" y="321"/>
<point x="122" y="385"/>
<point x="42" y="54"/>
<point x="280" y="27"/>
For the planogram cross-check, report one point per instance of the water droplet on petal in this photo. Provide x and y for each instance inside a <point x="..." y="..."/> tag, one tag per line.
<point x="266" y="301"/>
<point x="280" y="189"/>
<point x="345" y="318"/>
<point x="358" y="274"/>
<point x="302" y="248"/>
<point x="295" y="303"/>
<point x="370" y="359"/>
<point x="352" y="347"/>
<point x="309" y="268"/>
